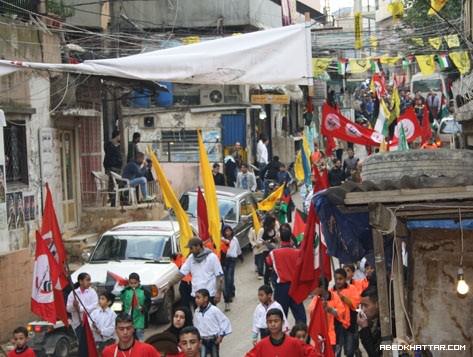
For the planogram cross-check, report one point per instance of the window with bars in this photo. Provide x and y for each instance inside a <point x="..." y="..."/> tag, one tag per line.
<point x="181" y="145"/>
<point x="16" y="158"/>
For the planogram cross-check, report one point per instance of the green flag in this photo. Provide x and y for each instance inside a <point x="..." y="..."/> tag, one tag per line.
<point x="402" y="145"/>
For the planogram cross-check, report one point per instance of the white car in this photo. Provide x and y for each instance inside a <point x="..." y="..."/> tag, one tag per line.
<point x="145" y="248"/>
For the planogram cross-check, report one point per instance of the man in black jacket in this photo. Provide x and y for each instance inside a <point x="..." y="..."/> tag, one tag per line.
<point x="368" y="321"/>
<point x="336" y="174"/>
<point x="113" y="161"/>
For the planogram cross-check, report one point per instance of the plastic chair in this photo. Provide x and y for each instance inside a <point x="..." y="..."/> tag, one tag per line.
<point x="117" y="179"/>
<point x="101" y="185"/>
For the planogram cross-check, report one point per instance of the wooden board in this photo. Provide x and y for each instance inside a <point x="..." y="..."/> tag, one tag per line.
<point x="410" y="195"/>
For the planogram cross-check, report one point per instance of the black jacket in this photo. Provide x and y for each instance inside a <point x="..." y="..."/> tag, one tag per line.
<point x="219" y="179"/>
<point x="371" y="339"/>
<point x="336" y="177"/>
<point x="113" y="156"/>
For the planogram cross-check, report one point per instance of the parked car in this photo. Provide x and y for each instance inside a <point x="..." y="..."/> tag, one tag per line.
<point x="450" y="133"/>
<point x="235" y="207"/>
<point x="48" y="339"/>
<point x="145" y="248"/>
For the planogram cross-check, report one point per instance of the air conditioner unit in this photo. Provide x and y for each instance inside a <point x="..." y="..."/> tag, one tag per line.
<point x="149" y="122"/>
<point x="212" y="96"/>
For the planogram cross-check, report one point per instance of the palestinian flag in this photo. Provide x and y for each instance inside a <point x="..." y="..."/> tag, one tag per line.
<point x="299" y="226"/>
<point x="442" y="60"/>
<point x="115" y="282"/>
<point x="342" y="66"/>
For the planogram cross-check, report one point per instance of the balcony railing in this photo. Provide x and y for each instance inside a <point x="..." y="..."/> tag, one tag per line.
<point x="24" y="8"/>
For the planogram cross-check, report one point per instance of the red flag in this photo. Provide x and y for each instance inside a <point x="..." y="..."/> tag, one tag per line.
<point x="335" y="125"/>
<point x="202" y="219"/>
<point x="134" y="301"/>
<point x="379" y="84"/>
<point x="305" y="277"/>
<point x="410" y="124"/>
<point x="426" y="128"/>
<point x="330" y="145"/>
<point x="318" y="329"/>
<point x="89" y="337"/>
<point x="299" y="224"/>
<point x="51" y="233"/>
<point x="321" y="180"/>
<point x="322" y="259"/>
<point x="45" y="276"/>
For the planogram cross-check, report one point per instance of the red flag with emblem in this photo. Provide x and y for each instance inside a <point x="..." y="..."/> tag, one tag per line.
<point x="45" y="276"/>
<point x="336" y="125"/>
<point x="51" y="233"/>
<point x="318" y="329"/>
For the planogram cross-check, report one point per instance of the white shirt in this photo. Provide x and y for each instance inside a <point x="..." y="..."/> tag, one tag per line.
<point x="89" y="299"/>
<point x="212" y="322"/>
<point x="234" y="249"/>
<point x="261" y="153"/>
<point x="259" y="316"/>
<point x="105" y="322"/>
<point x="204" y="274"/>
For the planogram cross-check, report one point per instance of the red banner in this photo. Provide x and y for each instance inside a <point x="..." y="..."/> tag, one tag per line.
<point x="335" y="125"/>
<point x="410" y="124"/>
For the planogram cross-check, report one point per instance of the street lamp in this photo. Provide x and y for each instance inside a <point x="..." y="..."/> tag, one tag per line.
<point x="462" y="286"/>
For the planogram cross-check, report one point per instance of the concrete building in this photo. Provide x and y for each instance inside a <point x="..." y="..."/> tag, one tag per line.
<point x="226" y="114"/>
<point x="24" y="100"/>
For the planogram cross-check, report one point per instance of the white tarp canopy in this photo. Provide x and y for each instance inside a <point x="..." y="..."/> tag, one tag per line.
<point x="277" y="56"/>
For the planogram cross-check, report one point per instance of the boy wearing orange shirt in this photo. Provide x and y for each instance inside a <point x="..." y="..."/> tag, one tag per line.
<point x="360" y="284"/>
<point x="335" y="309"/>
<point x="347" y="336"/>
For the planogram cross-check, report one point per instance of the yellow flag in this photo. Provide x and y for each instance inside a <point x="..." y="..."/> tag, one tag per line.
<point x="256" y="222"/>
<point x="358" y="30"/>
<point x="171" y="201"/>
<point x="389" y="60"/>
<point x="319" y="65"/>
<point x="396" y="8"/>
<point x="426" y="64"/>
<point x="298" y="167"/>
<point x="452" y="41"/>
<point x="269" y="202"/>
<point x="435" y="42"/>
<point x="190" y="40"/>
<point x="396" y="104"/>
<point x="359" y="65"/>
<point x="374" y="41"/>
<point x="213" y="212"/>
<point x="418" y="41"/>
<point x="461" y="60"/>
<point x="437" y="5"/>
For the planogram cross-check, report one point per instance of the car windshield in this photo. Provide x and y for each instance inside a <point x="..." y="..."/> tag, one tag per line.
<point x="426" y="85"/>
<point x="227" y="207"/>
<point x="450" y="127"/>
<point x="135" y="247"/>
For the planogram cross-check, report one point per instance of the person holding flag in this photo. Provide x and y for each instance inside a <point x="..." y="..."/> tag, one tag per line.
<point x="82" y="300"/>
<point x="136" y="302"/>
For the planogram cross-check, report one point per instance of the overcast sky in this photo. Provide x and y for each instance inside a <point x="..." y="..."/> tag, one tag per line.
<point x="337" y="4"/>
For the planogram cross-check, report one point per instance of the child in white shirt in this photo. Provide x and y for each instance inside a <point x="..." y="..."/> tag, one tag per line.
<point x="260" y="329"/>
<point x="102" y="321"/>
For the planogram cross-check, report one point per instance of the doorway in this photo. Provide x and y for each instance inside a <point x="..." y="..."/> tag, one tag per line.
<point x="68" y="178"/>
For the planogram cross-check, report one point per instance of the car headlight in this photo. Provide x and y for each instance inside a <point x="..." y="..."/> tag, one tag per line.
<point x="117" y="306"/>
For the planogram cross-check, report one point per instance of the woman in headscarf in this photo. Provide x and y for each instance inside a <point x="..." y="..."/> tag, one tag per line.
<point x="167" y="341"/>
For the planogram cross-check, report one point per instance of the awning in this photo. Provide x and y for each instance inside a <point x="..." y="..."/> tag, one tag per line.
<point x="276" y="56"/>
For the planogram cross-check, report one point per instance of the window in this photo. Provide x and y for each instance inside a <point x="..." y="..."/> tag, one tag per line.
<point x="16" y="158"/>
<point x="121" y="247"/>
<point x="180" y="145"/>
